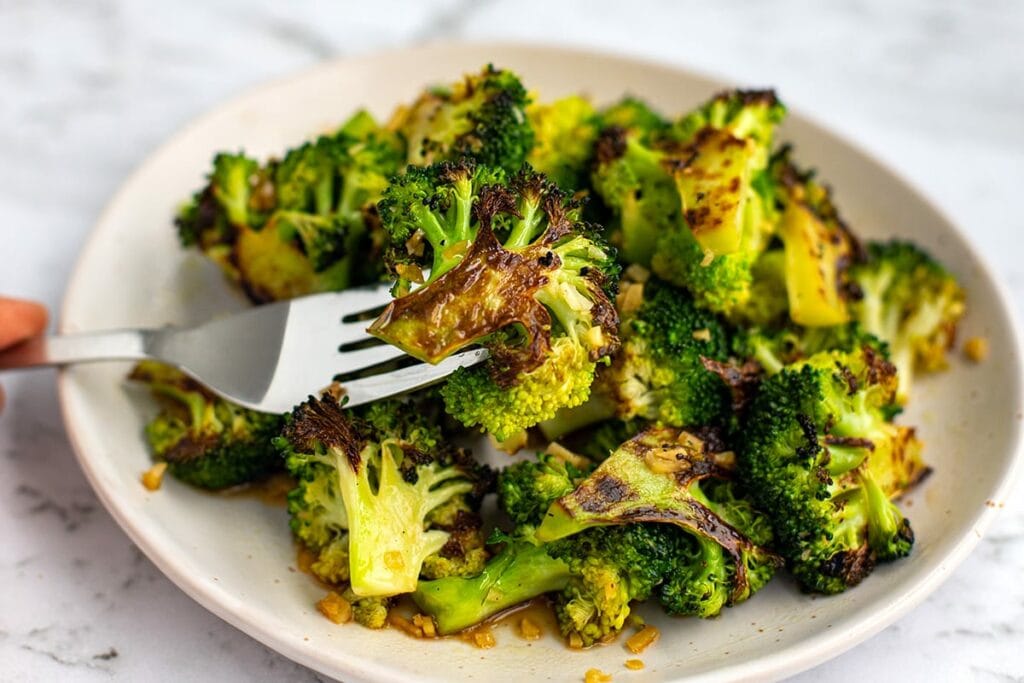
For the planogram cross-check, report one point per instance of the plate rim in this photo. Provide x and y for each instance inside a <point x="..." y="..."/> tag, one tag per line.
<point x="787" y="661"/>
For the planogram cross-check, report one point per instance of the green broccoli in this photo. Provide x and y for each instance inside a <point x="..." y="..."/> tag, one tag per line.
<point x="206" y="441"/>
<point x="482" y="117"/>
<point x="659" y="373"/>
<point x="773" y="349"/>
<point x="820" y="457"/>
<point x="673" y="477"/>
<point x="300" y="225"/>
<point x="819" y="247"/>
<point x="527" y="488"/>
<point x="520" y="572"/>
<point x="909" y="300"/>
<point x="565" y="132"/>
<point x="513" y="268"/>
<point x="370" y="481"/>
<point x="633" y="114"/>
<point x="696" y="205"/>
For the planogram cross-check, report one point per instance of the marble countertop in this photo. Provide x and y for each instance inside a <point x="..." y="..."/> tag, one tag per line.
<point x="92" y="86"/>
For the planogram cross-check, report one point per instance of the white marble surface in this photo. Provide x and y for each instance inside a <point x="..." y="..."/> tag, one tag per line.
<point x="91" y="86"/>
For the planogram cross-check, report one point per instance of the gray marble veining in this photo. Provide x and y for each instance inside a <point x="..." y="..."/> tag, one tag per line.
<point x="90" y="87"/>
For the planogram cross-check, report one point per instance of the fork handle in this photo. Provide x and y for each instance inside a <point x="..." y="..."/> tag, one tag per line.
<point x="78" y="348"/>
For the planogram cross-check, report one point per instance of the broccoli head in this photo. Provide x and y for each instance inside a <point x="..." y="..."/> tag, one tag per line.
<point x="696" y="205"/>
<point x="659" y="373"/>
<point x="565" y="131"/>
<point x="820" y="457"/>
<point x="206" y="441"/>
<point x="514" y="269"/>
<point x="633" y="114"/>
<point x="674" y="477"/>
<point x="371" y="481"/>
<point x="482" y="117"/>
<point x="300" y="225"/>
<point x="527" y="488"/>
<point x="909" y="300"/>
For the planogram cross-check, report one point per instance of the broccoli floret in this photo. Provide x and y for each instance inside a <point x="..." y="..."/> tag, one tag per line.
<point x="703" y="580"/>
<point x="300" y="225"/>
<point x="818" y="246"/>
<point x="520" y="572"/>
<point x="773" y="349"/>
<point x="513" y="268"/>
<point x="206" y="441"/>
<point x="632" y="113"/>
<point x="565" y="131"/>
<point x="482" y="117"/>
<point x="696" y="205"/>
<point x="911" y="301"/>
<point x="369" y="482"/>
<point x="670" y="476"/>
<point x="527" y="488"/>
<point x="819" y="456"/>
<point x="659" y="373"/>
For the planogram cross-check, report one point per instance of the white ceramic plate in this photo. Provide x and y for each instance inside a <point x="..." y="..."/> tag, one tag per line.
<point x="235" y="556"/>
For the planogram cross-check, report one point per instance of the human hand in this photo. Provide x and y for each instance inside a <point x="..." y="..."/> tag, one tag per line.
<point x="19" y="320"/>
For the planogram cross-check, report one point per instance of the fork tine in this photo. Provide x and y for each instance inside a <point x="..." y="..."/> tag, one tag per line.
<point x="367" y="358"/>
<point x="386" y="384"/>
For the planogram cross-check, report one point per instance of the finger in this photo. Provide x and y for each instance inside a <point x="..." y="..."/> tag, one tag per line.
<point x="19" y="320"/>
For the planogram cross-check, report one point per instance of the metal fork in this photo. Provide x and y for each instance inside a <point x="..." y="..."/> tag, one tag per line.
<point x="267" y="358"/>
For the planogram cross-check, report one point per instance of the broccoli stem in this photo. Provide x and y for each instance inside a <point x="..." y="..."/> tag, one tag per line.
<point x="517" y="574"/>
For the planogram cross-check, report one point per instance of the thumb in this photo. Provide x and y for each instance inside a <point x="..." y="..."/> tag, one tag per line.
<point x="19" y="320"/>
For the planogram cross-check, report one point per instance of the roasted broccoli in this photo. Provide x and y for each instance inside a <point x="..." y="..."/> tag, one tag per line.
<point x="300" y="225"/>
<point x="565" y="132"/>
<point x="696" y="205"/>
<point x="819" y="456"/>
<point x="513" y="268"/>
<point x="520" y="572"/>
<point x="481" y="117"/>
<point x="659" y="373"/>
<point x="773" y="349"/>
<point x="907" y="299"/>
<point x="819" y="247"/>
<point x="674" y="477"/>
<point x="368" y="484"/>
<point x="206" y="441"/>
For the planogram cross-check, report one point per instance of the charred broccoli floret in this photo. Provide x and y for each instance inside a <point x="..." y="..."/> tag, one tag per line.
<point x="527" y="488"/>
<point x="697" y="204"/>
<point x="481" y="117"/>
<point x="371" y="482"/>
<point x="819" y="248"/>
<point x="633" y="114"/>
<point x="820" y="457"/>
<point x="912" y="302"/>
<point x="565" y="132"/>
<point x="673" y="477"/>
<point x="300" y="225"/>
<point x="206" y="441"/>
<point x="514" y="269"/>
